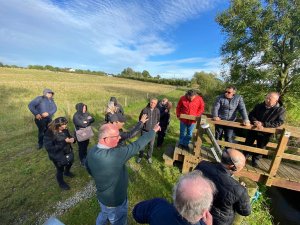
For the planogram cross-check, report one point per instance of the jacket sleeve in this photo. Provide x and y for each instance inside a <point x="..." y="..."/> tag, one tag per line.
<point x="133" y="132"/>
<point x="91" y="120"/>
<point x="33" y="104"/>
<point x="278" y="121"/>
<point x="178" y="107"/>
<point x="157" y="115"/>
<point x="216" y="107"/>
<point x="242" y="109"/>
<point x="252" y="114"/>
<point x="54" y="150"/>
<point x="201" y="106"/>
<point x="242" y="206"/>
<point x="143" y="210"/>
<point x="78" y="122"/>
<point x="53" y="108"/>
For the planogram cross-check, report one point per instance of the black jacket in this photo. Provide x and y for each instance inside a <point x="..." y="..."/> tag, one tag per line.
<point x="270" y="117"/>
<point x="153" y="118"/>
<point x="129" y="134"/>
<point x="79" y="117"/>
<point x="231" y="196"/>
<point x="57" y="147"/>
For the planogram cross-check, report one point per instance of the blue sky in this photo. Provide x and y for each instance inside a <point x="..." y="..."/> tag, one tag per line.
<point x="172" y="38"/>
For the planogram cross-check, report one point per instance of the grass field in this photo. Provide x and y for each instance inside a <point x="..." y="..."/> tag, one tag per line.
<point x="29" y="192"/>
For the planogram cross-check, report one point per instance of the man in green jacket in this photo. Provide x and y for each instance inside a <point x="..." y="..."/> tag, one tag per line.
<point x="107" y="165"/>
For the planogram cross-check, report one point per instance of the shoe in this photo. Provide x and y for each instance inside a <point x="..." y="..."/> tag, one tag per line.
<point x="247" y="155"/>
<point x="149" y="160"/>
<point x="69" y="174"/>
<point x="64" y="186"/>
<point x="138" y="160"/>
<point x="180" y="146"/>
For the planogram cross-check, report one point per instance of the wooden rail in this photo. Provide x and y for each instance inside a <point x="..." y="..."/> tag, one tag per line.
<point x="280" y="166"/>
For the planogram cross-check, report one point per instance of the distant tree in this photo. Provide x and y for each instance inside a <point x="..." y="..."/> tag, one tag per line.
<point x="128" y="72"/>
<point x="1" y="64"/>
<point x="146" y="74"/>
<point x="263" y="45"/>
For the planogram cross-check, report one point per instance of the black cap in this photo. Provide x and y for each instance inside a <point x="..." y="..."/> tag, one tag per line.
<point x="117" y="117"/>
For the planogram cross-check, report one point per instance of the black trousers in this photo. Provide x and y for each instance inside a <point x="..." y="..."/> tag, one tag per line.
<point x="161" y="136"/>
<point x="261" y="138"/>
<point x="82" y="149"/>
<point x="60" y="170"/>
<point x="42" y="126"/>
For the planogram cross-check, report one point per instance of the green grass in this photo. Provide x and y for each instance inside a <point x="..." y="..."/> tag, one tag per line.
<point x="27" y="177"/>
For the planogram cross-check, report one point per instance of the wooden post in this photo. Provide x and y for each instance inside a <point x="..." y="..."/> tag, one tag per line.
<point x="278" y="156"/>
<point x="198" y="142"/>
<point x="125" y="101"/>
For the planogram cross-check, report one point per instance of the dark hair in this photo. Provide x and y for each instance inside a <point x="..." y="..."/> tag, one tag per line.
<point x="58" y="122"/>
<point x="190" y="93"/>
<point x="231" y="87"/>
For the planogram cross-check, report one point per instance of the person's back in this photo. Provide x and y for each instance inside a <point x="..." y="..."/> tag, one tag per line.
<point x="231" y="196"/>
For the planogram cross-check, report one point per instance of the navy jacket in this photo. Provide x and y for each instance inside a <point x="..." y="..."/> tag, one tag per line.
<point x="231" y="196"/>
<point x="42" y="104"/>
<point x="158" y="211"/>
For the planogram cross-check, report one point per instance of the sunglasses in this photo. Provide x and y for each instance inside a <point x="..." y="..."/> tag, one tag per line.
<point x="228" y="92"/>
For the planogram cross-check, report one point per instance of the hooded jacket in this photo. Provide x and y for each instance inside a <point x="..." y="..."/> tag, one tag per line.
<point x="42" y="104"/>
<point x="117" y="105"/>
<point x="79" y="117"/>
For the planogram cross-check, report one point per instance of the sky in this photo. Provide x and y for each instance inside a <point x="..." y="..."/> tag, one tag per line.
<point x="170" y="38"/>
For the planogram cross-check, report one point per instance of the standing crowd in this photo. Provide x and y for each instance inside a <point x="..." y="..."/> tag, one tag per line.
<point x="208" y="195"/>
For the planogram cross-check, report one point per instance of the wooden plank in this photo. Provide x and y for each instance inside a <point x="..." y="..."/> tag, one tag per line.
<point x="278" y="156"/>
<point x="245" y="148"/>
<point x="291" y="157"/>
<point x="288" y="172"/>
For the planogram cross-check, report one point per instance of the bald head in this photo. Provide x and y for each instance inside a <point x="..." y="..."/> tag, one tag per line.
<point x="193" y="196"/>
<point x="108" y="130"/>
<point x="234" y="156"/>
<point x="272" y="99"/>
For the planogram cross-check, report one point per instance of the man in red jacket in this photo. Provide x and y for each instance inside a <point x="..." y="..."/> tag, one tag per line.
<point x="192" y="104"/>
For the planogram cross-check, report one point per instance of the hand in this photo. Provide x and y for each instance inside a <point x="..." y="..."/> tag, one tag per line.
<point x="156" y="127"/>
<point x="246" y="123"/>
<point x="89" y="117"/>
<point x="216" y="118"/>
<point x="84" y="121"/>
<point x="45" y="114"/>
<point x="259" y="125"/>
<point x="69" y="140"/>
<point x="38" y="116"/>
<point x="144" y="118"/>
<point x="207" y="218"/>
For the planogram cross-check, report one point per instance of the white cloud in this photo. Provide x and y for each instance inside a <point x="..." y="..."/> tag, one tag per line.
<point x="107" y="35"/>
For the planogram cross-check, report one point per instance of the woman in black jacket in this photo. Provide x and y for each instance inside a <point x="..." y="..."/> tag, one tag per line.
<point x="57" y="141"/>
<point x="82" y="119"/>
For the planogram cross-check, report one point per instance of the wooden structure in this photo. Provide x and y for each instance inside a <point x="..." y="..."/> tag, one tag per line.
<point x="279" y="166"/>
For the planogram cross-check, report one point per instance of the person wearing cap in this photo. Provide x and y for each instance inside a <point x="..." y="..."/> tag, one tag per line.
<point x="232" y="197"/>
<point x="43" y="108"/>
<point x="119" y="120"/>
<point x="191" y="104"/>
<point x="153" y="118"/>
<point x="106" y="162"/>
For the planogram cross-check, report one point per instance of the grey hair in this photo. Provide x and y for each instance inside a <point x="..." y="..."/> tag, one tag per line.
<point x="105" y="130"/>
<point x="193" y="208"/>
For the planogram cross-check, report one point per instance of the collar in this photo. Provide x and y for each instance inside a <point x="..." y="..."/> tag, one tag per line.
<point x="102" y="146"/>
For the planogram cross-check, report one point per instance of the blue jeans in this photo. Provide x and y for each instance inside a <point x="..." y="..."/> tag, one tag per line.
<point x="186" y="131"/>
<point x="229" y="134"/>
<point x="115" y="215"/>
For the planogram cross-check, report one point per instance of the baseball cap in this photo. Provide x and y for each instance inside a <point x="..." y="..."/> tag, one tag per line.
<point x="117" y="117"/>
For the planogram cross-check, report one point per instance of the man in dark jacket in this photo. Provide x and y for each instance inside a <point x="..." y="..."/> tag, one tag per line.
<point x="267" y="114"/>
<point x="153" y="118"/>
<point x="193" y="195"/>
<point x="231" y="196"/>
<point x="226" y="107"/>
<point x="43" y="108"/>
<point x="106" y="162"/>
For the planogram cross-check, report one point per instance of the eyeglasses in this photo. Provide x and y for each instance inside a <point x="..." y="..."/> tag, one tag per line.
<point x="228" y="92"/>
<point x="112" y="136"/>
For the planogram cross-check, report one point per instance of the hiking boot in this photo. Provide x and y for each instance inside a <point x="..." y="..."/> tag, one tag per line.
<point x="138" y="160"/>
<point x="149" y="160"/>
<point x="69" y="174"/>
<point x="64" y="186"/>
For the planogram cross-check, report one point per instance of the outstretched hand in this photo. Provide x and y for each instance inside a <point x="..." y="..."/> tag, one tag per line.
<point x="156" y="127"/>
<point x="144" y="118"/>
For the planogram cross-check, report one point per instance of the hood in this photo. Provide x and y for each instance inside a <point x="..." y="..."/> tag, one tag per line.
<point x="79" y="107"/>
<point x="47" y="90"/>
